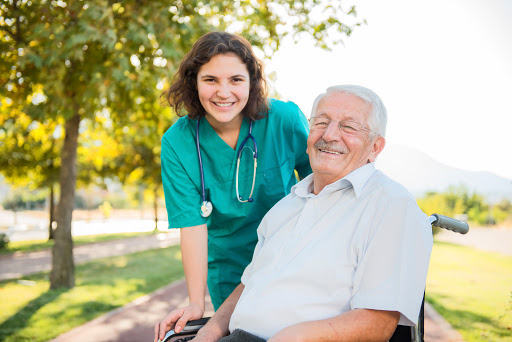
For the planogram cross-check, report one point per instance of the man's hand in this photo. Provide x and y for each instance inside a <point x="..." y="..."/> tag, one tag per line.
<point x="177" y="319"/>
<point x="208" y="333"/>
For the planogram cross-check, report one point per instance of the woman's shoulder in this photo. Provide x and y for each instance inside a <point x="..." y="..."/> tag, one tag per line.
<point x="283" y="110"/>
<point x="279" y="105"/>
<point x="179" y="131"/>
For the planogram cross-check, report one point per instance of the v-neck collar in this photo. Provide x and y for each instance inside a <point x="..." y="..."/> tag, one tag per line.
<point x="208" y="134"/>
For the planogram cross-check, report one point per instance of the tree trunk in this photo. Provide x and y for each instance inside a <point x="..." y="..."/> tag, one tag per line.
<point x="155" y="207"/>
<point x="141" y="201"/>
<point x="63" y="268"/>
<point x="51" y="235"/>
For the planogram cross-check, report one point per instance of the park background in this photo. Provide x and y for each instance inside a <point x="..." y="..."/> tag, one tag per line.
<point x="442" y="68"/>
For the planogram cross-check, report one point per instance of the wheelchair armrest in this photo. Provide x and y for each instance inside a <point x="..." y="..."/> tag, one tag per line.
<point x="189" y="331"/>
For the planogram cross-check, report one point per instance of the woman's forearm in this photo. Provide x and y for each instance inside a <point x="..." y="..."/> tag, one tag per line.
<point x="194" y="251"/>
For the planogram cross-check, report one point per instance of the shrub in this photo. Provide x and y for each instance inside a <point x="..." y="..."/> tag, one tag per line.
<point x="4" y="240"/>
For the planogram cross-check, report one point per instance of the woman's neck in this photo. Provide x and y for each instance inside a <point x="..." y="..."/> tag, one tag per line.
<point x="227" y="131"/>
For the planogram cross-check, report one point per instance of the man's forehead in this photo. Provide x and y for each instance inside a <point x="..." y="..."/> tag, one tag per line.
<point x="343" y="105"/>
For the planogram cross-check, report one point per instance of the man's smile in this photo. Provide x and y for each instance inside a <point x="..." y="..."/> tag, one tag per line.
<point x="331" y="152"/>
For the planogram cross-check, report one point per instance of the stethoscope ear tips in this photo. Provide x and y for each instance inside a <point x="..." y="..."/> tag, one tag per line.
<point x="250" y="200"/>
<point x="206" y="208"/>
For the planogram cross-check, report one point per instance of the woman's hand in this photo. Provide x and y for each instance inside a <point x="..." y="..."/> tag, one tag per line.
<point x="177" y="319"/>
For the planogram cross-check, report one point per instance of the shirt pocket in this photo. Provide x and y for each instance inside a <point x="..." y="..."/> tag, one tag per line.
<point x="279" y="180"/>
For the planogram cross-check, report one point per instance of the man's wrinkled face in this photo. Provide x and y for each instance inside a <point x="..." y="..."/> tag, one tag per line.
<point x="335" y="152"/>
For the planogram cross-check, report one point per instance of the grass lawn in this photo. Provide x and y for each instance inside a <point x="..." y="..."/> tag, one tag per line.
<point x="472" y="290"/>
<point x="37" y="245"/>
<point x="31" y="312"/>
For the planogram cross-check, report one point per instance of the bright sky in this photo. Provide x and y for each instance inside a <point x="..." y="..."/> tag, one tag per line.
<point x="442" y="68"/>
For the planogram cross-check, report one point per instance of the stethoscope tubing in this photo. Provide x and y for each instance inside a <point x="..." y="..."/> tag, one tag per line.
<point x="200" y="162"/>
<point x="255" y="157"/>
<point x="206" y="206"/>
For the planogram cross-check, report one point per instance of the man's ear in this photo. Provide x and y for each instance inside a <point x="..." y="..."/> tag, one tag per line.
<point x="377" y="147"/>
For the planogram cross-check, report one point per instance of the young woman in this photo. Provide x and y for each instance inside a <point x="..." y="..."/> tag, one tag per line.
<point x="224" y="165"/>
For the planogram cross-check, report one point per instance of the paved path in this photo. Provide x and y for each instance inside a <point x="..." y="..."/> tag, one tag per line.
<point x="134" y="322"/>
<point x="19" y="264"/>
<point x="498" y="240"/>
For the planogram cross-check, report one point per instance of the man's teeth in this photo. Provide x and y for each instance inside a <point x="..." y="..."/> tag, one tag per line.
<point x="331" y="152"/>
<point x="224" y="104"/>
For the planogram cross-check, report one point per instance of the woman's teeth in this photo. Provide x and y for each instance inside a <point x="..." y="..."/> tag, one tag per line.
<point x="224" y="104"/>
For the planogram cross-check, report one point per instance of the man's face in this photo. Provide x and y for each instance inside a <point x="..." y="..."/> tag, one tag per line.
<point x="333" y="154"/>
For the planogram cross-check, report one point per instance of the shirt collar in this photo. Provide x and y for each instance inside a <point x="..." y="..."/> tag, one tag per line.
<point x="357" y="179"/>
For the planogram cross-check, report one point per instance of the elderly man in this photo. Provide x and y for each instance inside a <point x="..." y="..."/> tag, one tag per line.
<point x="345" y="255"/>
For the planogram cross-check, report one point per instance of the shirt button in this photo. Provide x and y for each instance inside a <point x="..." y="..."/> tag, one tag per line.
<point x="315" y="201"/>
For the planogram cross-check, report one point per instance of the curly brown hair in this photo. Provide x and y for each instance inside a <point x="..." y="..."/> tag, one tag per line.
<point x="182" y="93"/>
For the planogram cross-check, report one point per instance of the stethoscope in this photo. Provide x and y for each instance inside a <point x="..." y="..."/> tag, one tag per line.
<point x="206" y="206"/>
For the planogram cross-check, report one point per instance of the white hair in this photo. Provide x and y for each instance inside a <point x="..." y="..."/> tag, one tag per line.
<point x="378" y="117"/>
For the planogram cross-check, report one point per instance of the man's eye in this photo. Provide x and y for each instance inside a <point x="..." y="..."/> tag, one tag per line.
<point x="348" y="128"/>
<point x="321" y="123"/>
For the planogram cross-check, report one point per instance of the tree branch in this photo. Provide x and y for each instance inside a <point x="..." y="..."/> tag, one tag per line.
<point x="6" y="29"/>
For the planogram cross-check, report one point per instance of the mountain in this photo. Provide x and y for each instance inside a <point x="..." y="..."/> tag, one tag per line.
<point x="420" y="173"/>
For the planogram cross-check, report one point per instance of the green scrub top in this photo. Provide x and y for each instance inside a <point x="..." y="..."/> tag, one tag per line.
<point x="281" y="142"/>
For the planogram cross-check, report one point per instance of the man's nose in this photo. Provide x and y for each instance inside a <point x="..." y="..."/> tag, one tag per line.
<point x="332" y="133"/>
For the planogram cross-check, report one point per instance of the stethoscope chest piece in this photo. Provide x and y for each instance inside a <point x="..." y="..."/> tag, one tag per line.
<point x="206" y="208"/>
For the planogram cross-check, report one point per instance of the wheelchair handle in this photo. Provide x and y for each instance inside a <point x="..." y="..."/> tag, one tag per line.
<point x="449" y="223"/>
<point x="200" y="321"/>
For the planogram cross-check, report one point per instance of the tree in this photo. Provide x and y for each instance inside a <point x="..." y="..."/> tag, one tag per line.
<point x="139" y="160"/>
<point x="97" y="56"/>
<point x="502" y="210"/>
<point x="29" y="153"/>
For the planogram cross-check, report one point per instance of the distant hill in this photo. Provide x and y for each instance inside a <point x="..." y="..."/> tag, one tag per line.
<point x="419" y="173"/>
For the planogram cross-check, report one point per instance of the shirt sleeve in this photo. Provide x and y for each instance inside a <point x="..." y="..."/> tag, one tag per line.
<point x="261" y="241"/>
<point x="182" y="199"/>
<point x="394" y="258"/>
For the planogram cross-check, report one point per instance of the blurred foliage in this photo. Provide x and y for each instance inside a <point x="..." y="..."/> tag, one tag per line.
<point x="502" y="211"/>
<point x="459" y="203"/>
<point x="108" y="61"/>
<point x="4" y="241"/>
<point x="28" y="148"/>
<point x="106" y="209"/>
<point x="21" y="198"/>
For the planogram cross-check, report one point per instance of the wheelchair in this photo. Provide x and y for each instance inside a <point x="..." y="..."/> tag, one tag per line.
<point x="401" y="334"/>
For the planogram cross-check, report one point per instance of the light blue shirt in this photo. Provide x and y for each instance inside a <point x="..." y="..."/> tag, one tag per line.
<point x="362" y="242"/>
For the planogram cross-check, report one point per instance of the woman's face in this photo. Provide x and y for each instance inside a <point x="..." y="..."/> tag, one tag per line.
<point x="223" y="86"/>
